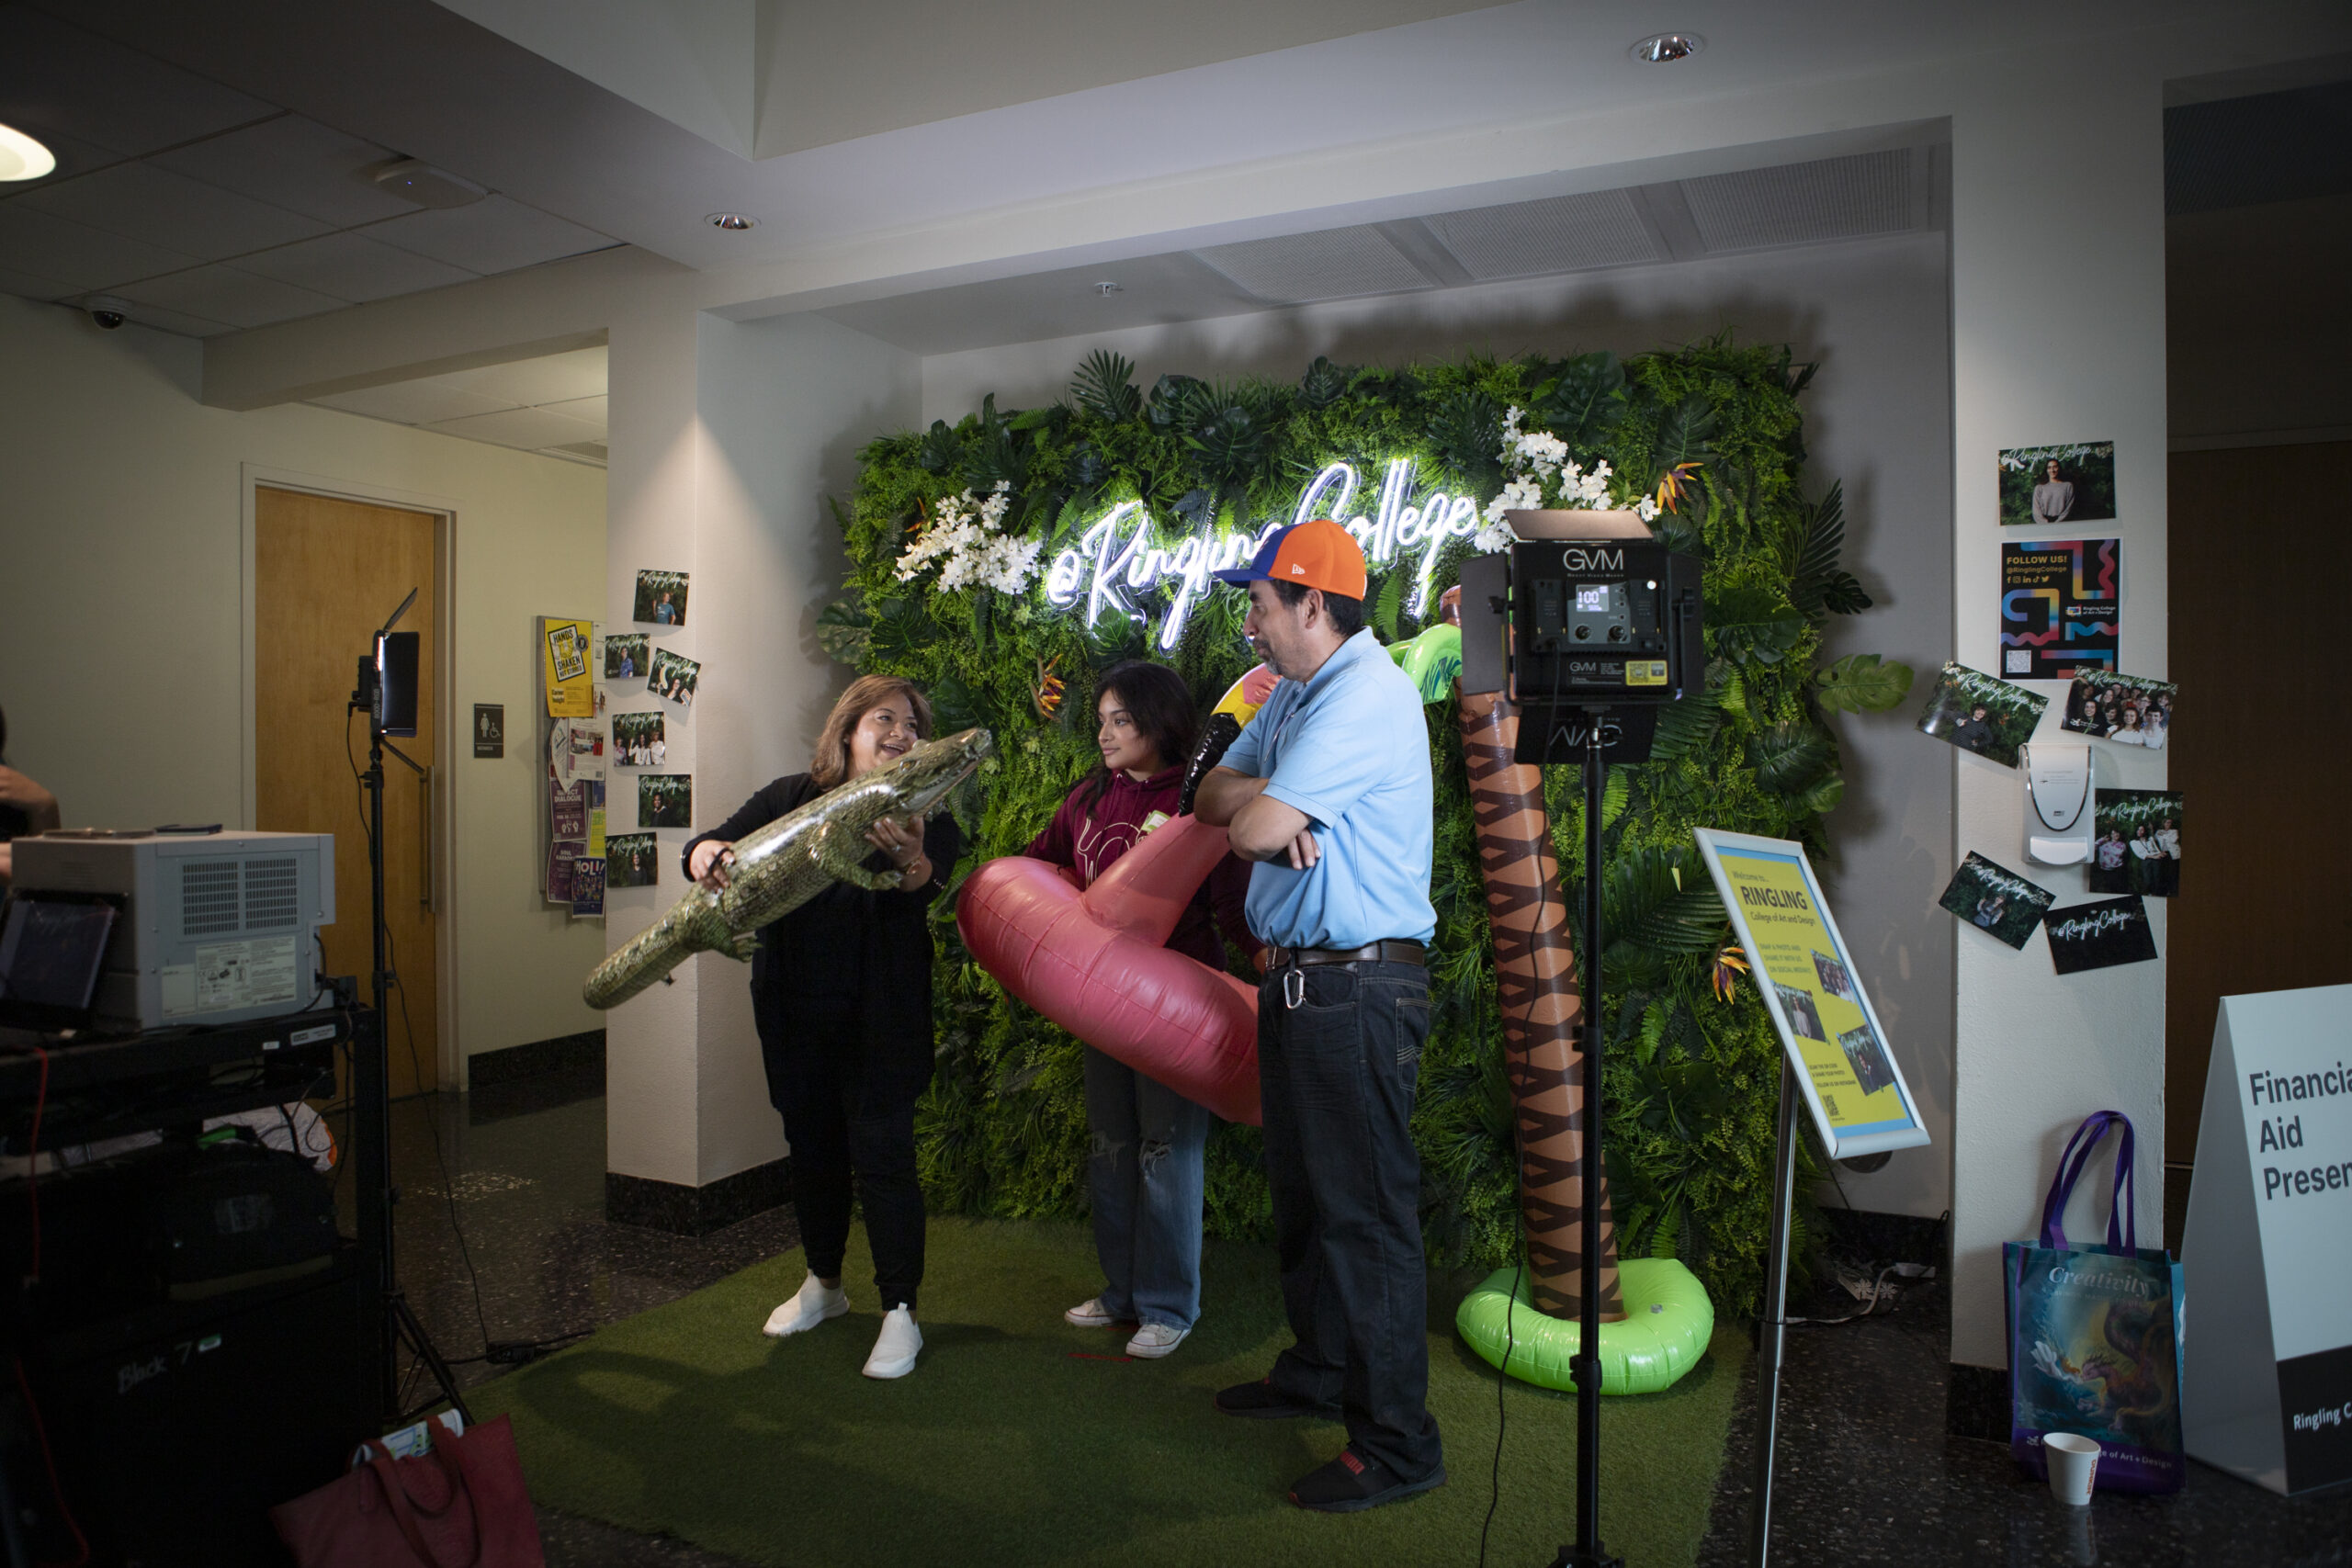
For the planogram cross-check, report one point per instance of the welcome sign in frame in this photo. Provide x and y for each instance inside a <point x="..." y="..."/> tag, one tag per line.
<point x="1847" y="1073"/>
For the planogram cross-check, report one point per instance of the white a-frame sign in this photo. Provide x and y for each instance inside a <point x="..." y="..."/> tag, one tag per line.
<point x="2266" y="1261"/>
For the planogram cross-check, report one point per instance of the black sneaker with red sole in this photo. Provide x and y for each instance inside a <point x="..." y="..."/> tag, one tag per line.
<point x="1353" y="1482"/>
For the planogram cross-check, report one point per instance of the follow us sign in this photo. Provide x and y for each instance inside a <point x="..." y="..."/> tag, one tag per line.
<point x="2266" y="1264"/>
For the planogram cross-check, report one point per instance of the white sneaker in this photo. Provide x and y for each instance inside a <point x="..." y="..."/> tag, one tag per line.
<point x="1089" y="1313"/>
<point x="811" y="1305"/>
<point x="896" y="1347"/>
<point x="1154" y="1340"/>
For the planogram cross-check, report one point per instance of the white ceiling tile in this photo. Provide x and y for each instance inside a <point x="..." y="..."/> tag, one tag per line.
<point x="224" y="294"/>
<point x="31" y="286"/>
<point x="296" y="164"/>
<point x="178" y="321"/>
<point x="74" y="253"/>
<point x="529" y="428"/>
<point x="354" y="267"/>
<point x="57" y="77"/>
<point x="74" y="156"/>
<point x="144" y="202"/>
<point x="427" y="402"/>
<point x="494" y="234"/>
<point x="549" y="378"/>
<point x="588" y="411"/>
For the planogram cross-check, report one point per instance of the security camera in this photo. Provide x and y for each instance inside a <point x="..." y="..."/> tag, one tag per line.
<point x="107" y="312"/>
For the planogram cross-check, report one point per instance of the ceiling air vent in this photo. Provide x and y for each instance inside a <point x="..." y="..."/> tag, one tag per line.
<point x="1567" y="233"/>
<point x="1800" y="204"/>
<point x="1336" y="263"/>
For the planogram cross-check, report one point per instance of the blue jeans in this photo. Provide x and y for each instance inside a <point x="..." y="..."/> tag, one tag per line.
<point x="1338" y="1073"/>
<point x="1145" y="1176"/>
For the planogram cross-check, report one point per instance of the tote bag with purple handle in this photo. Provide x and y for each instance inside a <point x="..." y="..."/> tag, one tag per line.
<point x="2094" y="1331"/>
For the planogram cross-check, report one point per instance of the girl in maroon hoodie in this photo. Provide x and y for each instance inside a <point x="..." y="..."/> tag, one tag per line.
<point x="1145" y="1168"/>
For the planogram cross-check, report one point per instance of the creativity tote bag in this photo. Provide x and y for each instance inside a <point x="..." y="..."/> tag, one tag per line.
<point x="2095" y="1333"/>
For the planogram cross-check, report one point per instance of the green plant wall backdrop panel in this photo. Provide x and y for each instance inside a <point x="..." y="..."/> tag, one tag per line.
<point x="1002" y="561"/>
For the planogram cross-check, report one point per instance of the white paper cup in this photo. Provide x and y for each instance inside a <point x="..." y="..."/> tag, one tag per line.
<point x="2073" y="1464"/>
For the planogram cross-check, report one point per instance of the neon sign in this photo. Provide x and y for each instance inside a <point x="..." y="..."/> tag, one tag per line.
<point x="1114" y="560"/>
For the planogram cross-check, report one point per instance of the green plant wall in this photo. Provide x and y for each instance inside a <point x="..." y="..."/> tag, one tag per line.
<point x="1691" y="1068"/>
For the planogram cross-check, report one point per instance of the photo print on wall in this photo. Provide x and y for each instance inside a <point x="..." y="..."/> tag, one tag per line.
<point x="624" y="655"/>
<point x="1977" y="713"/>
<point x="673" y="676"/>
<point x="632" y="860"/>
<point x="2061" y="607"/>
<point x="1996" y="899"/>
<point x="665" y="800"/>
<point x="1834" y="978"/>
<point x="2045" y="486"/>
<point x="640" y="740"/>
<point x="2100" y="935"/>
<point x="1867" y="1058"/>
<point x="661" y="598"/>
<point x="2138" y="848"/>
<point x="2130" y="710"/>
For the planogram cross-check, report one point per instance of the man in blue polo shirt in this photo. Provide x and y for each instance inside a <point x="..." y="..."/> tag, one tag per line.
<point x="1327" y="790"/>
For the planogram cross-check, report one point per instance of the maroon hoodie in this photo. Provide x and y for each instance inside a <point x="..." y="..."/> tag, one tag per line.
<point x="1086" y="835"/>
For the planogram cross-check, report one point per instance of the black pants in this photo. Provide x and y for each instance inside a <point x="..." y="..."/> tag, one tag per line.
<point x="1337" y="1074"/>
<point x="847" y="1141"/>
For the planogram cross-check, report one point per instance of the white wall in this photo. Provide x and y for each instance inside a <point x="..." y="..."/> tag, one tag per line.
<point x="1875" y="314"/>
<point x="121" y="621"/>
<point x="727" y="439"/>
<point x="2052" y="342"/>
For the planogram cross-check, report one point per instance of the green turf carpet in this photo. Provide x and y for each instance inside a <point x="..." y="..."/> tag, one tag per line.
<point x="1019" y="1439"/>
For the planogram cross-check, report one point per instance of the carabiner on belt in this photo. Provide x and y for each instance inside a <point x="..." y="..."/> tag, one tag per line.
<point x="1294" y="985"/>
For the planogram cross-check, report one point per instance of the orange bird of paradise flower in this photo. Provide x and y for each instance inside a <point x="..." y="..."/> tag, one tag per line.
<point x="1675" y="484"/>
<point x="1048" y="694"/>
<point x="1730" y="965"/>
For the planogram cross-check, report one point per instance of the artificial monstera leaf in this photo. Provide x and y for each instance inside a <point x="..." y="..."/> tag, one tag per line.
<point x="1863" y="682"/>
<point x="1087" y="469"/>
<point x="1583" y="401"/>
<point x="1789" y="756"/>
<point x="1465" y="425"/>
<point x="1169" y="397"/>
<point x="1752" y="624"/>
<point x="1684" y="433"/>
<point x="1105" y="386"/>
<point x="845" y="630"/>
<point x="1325" y="383"/>
<point x="940" y="448"/>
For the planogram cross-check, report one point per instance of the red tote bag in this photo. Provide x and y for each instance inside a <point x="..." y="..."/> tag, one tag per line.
<point x="460" y="1505"/>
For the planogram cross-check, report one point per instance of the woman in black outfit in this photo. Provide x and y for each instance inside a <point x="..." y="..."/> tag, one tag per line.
<point x="840" y="988"/>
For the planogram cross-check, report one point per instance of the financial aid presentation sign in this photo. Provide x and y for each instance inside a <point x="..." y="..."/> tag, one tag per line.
<point x="2266" y="1258"/>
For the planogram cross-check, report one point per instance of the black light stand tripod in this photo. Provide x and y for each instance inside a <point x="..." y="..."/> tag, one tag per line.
<point x="390" y="706"/>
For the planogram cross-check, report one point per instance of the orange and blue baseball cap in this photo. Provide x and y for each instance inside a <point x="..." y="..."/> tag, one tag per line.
<point x="1319" y="554"/>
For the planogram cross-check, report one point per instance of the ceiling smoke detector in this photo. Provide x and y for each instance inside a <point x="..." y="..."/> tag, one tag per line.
<point x="734" y="223"/>
<point x="21" y="157"/>
<point x="1664" y="49"/>
<point x="413" y="179"/>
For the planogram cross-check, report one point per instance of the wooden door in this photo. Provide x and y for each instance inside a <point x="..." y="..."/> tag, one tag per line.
<point x="327" y="573"/>
<point x="2261" y="545"/>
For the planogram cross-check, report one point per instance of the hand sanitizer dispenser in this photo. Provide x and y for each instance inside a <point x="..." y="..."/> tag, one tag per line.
<point x="2059" y="779"/>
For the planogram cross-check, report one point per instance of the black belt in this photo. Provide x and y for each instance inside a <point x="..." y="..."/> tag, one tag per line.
<point x="1378" y="953"/>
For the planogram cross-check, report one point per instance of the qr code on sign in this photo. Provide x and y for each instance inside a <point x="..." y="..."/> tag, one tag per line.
<point x="2017" y="661"/>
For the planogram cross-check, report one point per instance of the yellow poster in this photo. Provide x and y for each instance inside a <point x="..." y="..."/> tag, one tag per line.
<point x="572" y="686"/>
<point x="1816" y="999"/>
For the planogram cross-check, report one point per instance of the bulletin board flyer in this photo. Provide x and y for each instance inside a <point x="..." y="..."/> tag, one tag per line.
<point x="1857" y="1098"/>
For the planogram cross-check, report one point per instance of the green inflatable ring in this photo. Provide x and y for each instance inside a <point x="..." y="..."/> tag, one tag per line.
<point x="1433" y="660"/>
<point x="1668" y="1322"/>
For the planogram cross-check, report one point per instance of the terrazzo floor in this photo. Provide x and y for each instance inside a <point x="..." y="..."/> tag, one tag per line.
<point x="1862" y="1481"/>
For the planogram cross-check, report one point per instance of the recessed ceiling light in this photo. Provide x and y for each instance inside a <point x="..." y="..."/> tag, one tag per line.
<point x="1106" y="288"/>
<point x="734" y="223"/>
<point x="21" y="157"/>
<point x="1664" y="49"/>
